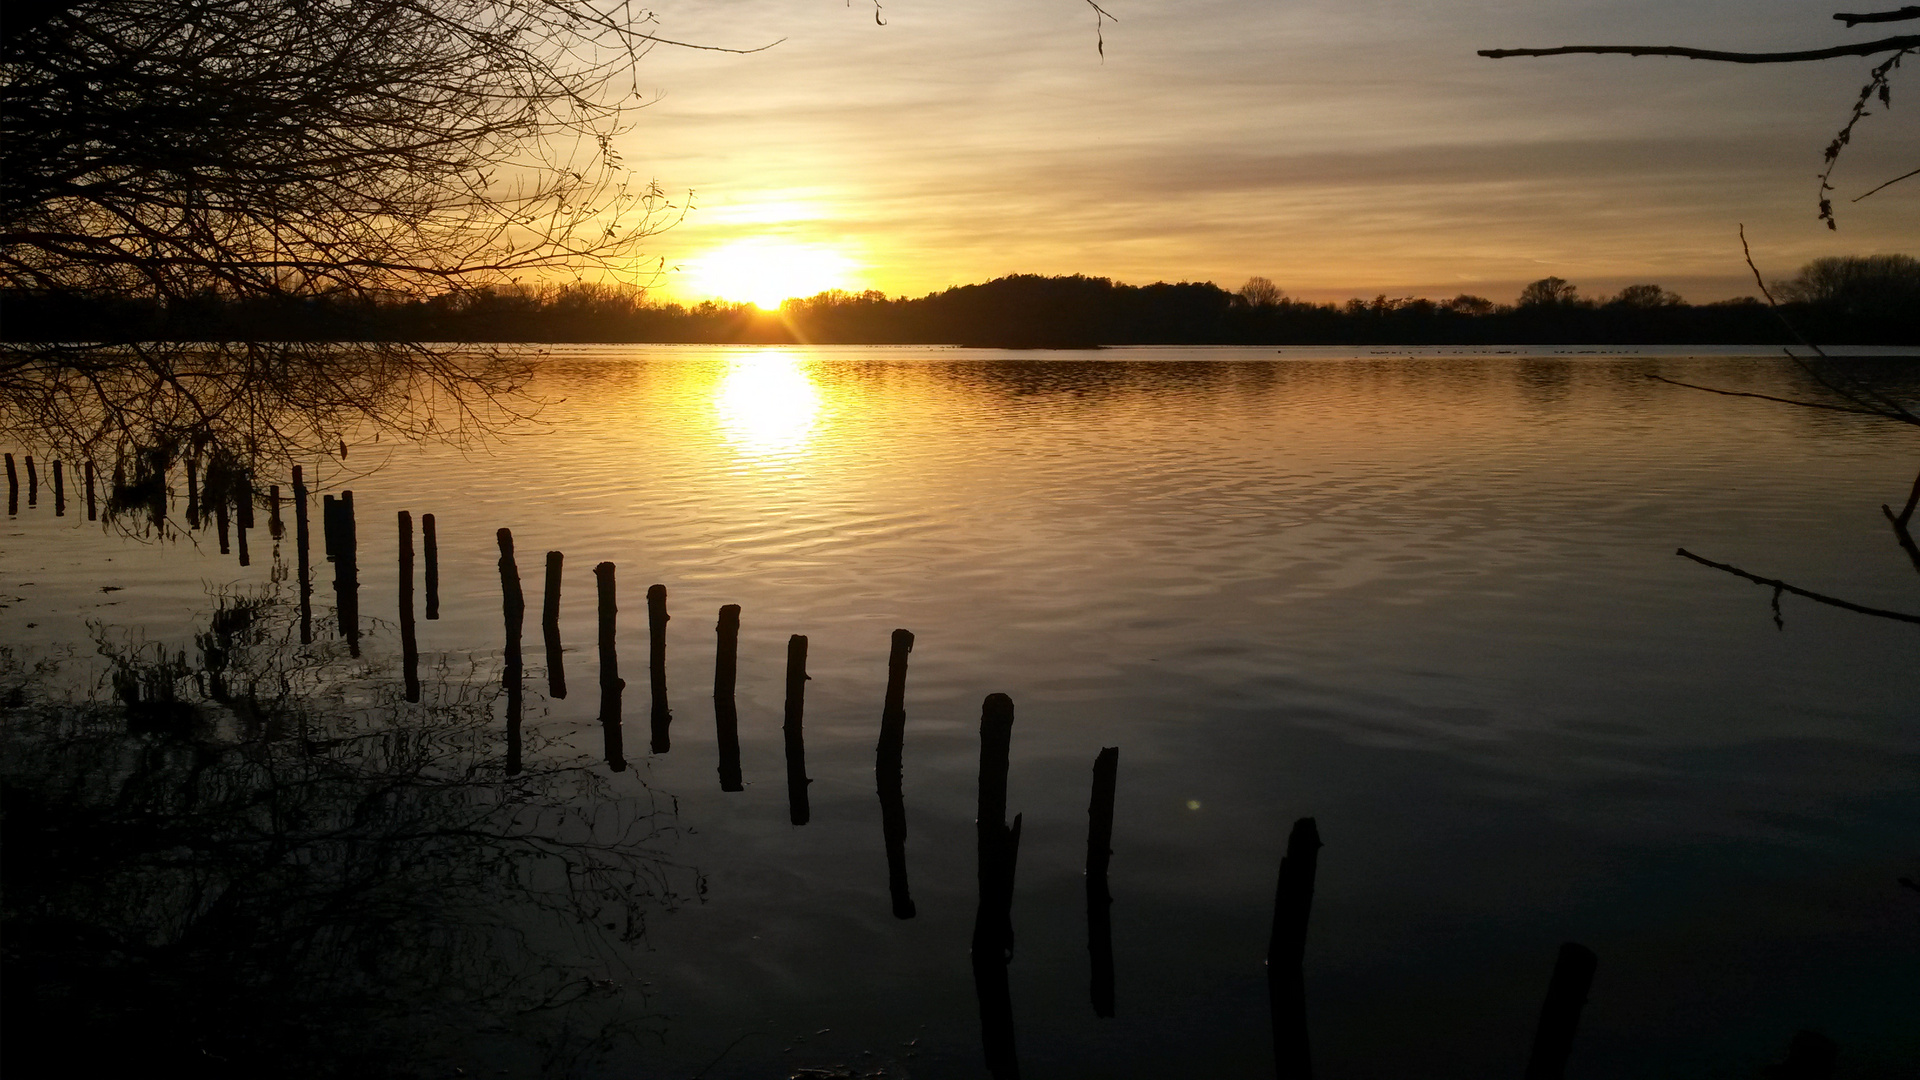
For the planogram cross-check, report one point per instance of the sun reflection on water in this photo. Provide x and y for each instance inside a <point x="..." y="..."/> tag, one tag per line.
<point x="767" y="404"/>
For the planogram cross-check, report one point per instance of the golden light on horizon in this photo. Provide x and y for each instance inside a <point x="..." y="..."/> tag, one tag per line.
<point x="767" y="403"/>
<point x="766" y="272"/>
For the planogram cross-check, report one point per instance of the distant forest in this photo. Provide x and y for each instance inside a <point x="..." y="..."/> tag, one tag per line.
<point x="1852" y="300"/>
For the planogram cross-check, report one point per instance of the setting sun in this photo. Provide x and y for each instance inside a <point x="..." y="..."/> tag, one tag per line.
<point x="765" y="272"/>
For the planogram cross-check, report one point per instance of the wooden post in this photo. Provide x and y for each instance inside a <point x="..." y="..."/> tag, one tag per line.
<point x="276" y="528"/>
<point x="661" y="715"/>
<point x="610" y="682"/>
<point x="158" y="508"/>
<point x="240" y="536"/>
<point x="329" y="525"/>
<point x="193" y="492"/>
<point x="996" y="844"/>
<point x="1560" y="1015"/>
<point x="513" y="608"/>
<point x="799" y="811"/>
<point x="346" y="572"/>
<point x="409" y="644"/>
<point x="304" y="568"/>
<point x="550" y="628"/>
<point x="887" y="769"/>
<point x="33" y="483"/>
<point x="220" y="525"/>
<point x="431" y="543"/>
<point x="998" y="853"/>
<point x="243" y="499"/>
<point x="1099" y="900"/>
<point x="93" y="504"/>
<point x="1286" y="952"/>
<point x="59" y="488"/>
<point x="726" y="719"/>
<point x="13" y="487"/>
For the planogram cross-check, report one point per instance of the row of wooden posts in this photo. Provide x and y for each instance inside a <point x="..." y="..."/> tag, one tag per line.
<point x="59" y="488"/>
<point x="997" y="840"/>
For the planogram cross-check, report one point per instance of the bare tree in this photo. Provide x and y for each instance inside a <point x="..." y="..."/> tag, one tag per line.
<point x="1261" y="292"/>
<point x="277" y="150"/>
<point x="1877" y="88"/>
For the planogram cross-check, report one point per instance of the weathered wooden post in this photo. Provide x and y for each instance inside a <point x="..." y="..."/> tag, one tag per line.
<point x="409" y="644"/>
<point x="276" y="528"/>
<point x="33" y="483"/>
<point x="240" y="536"/>
<point x="513" y="607"/>
<point x="93" y="505"/>
<point x="661" y="715"/>
<point x="1106" y="769"/>
<point x="303" y="566"/>
<point x="329" y="525"/>
<point x="431" y="543"/>
<point x="799" y="810"/>
<point x="59" y="489"/>
<point x="887" y="769"/>
<point x="13" y="488"/>
<point x="1286" y="952"/>
<point x="346" y="572"/>
<point x="997" y="854"/>
<point x="193" y="492"/>
<point x="726" y="719"/>
<point x="610" y="682"/>
<point x="1560" y="1015"/>
<point x="220" y="522"/>
<point x="550" y="628"/>
<point x="243" y="499"/>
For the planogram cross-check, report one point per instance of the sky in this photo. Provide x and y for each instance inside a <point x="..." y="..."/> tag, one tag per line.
<point x="1339" y="147"/>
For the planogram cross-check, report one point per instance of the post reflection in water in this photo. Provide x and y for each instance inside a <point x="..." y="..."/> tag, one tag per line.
<point x="767" y="404"/>
<point x="887" y="774"/>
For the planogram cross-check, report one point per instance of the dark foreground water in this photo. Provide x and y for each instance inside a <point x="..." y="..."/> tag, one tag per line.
<point x="1430" y="600"/>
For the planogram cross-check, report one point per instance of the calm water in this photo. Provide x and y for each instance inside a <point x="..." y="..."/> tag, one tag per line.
<point x="1430" y="599"/>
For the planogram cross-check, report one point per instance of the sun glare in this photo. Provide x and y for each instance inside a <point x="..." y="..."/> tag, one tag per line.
<point x="767" y="404"/>
<point x="765" y="272"/>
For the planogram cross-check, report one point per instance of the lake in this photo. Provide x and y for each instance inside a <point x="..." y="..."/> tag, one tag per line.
<point x="1429" y="598"/>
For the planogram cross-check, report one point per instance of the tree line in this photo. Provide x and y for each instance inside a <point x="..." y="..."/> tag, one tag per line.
<point x="1844" y="300"/>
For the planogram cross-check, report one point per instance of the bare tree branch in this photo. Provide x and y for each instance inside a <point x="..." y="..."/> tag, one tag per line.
<point x="1863" y="48"/>
<point x="1779" y="586"/>
<point x="1888" y="184"/>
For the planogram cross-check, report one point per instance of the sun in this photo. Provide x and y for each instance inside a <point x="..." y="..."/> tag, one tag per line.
<point x="765" y="272"/>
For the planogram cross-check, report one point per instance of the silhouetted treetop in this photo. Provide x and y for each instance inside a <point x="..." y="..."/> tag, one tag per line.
<point x="167" y="147"/>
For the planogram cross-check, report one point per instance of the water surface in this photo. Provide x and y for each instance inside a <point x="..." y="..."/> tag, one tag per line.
<point x="1428" y="598"/>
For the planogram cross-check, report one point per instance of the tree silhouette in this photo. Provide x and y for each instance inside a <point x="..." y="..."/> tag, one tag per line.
<point x="276" y="151"/>
<point x="1261" y="292"/>
<point x="1549" y="292"/>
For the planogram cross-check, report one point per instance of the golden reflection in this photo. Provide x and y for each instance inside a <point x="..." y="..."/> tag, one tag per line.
<point x="767" y="403"/>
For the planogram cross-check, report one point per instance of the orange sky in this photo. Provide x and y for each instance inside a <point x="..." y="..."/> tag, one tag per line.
<point x="1339" y="148"/>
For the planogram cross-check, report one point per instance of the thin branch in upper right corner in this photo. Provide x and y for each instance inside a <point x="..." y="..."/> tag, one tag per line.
<point x="1877" y="87"/>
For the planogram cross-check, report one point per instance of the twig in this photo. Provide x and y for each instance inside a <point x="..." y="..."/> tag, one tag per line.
<point x="1764" y="397"/>
<point x="1898" y="15"/>
<point x="1906" y="513"/>
<point x="1780" y="586"/>
<point x="1888" y="184"/>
